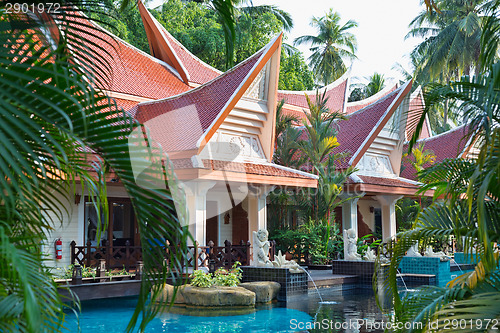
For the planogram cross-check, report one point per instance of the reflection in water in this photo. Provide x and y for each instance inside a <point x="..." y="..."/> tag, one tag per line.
<point x="300" y="314"/>
<point x="344" y="312"/>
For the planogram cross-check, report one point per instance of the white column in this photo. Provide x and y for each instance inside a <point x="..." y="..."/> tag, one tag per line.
<point x="350" y="214"/>
<point x="257" y="208"/>
<point x="196" y="208"/>
<point x="350" y="217"/>
<point x="388" y="203"/>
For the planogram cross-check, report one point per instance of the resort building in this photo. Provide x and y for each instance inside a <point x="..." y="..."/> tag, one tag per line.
<point x="218" y="131"/>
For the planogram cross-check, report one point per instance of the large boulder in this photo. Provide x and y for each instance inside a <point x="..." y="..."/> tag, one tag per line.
<point x="168" y="292"/>
<point x="265" y="291"/>
<point x="218" y="296"/>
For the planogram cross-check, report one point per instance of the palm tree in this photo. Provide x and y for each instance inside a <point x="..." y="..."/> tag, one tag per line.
<point x="333" y="45"/>
<point x="469" y="211"/>
<point x="316" y="145"/>
<point x="376" y="83"/>
<point x="453" y="37"/>
<point x="452" y="42"/>
<point x="54" y="124"/>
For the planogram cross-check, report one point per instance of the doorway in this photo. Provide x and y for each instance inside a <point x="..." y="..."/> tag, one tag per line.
<point x="122" y="223"/>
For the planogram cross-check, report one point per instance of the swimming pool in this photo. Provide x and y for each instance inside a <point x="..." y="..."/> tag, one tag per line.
<point x="112" y="315"/>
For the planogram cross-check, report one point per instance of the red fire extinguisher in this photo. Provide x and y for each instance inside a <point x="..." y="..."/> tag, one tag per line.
<point x="58" y="246"/>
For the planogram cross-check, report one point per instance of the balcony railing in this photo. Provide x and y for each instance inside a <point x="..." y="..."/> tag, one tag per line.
<point x="212" y="257"/>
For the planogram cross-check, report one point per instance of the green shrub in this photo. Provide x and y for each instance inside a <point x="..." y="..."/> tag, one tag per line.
<point x="221" y="277"/>
<point x="319" y="241"/>
<point x="201" y="279"/>
<point x="231" y="278"/>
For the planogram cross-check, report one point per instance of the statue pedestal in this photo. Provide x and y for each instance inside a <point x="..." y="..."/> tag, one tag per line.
<point x="362" y="268"/>
<point x="291" y="283"/>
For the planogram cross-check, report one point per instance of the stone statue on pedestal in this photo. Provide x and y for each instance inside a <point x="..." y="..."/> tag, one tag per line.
<point x="261" y="249"/>
<point x="350" y="245"/>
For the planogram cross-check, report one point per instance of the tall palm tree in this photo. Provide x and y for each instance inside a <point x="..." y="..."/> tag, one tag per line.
<point x="452" y="39"/>
<point x="55" y="121"/>
<point x="470" y="211"/>
<point x="333" y="45"/>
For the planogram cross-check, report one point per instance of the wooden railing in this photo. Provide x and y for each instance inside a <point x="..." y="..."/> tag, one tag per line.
<point x="115" y="256"/>
<point x="211" y="256"/>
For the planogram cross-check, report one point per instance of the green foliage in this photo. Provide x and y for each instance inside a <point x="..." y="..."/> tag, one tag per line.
<point x="357" y="94"/>
<point x="376" y="83"/>
<point x="221" y="277"/>
<point x="54" y="114"/>
<point x="231" y="278"/>
<point x="452" y="40"/>
<point x="469" y="211"/>
<point x="201" y="279"/>
<point x="331" y="47"/>
<point x="294" y="73"/>
<point x="367" y="242"/>
<point x="320" y="242"/>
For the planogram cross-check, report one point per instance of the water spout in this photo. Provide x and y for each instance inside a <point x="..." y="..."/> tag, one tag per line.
<point x="401" y="276"/>
<point x="314" y="283"/>
<point x="456" y="263"/>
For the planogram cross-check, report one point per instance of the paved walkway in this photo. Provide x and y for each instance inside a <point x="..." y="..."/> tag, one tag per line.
<point x="325" y="278"/>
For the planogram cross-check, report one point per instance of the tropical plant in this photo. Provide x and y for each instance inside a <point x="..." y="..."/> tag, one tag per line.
<point x="231" y="278"/>
<point x="420" y="157"/>
<point x="56" y="122"/>
<point x="294" y="72"/>
<point x="469" y="211"/>
<point x="201" y="279"/>
<point x="376" y="83"/>
<point x="221" y="277"/>
<point x="453" y="37"/>
<point x="333" y="45"/>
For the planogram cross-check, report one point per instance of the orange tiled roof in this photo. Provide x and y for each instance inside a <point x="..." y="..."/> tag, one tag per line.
<point x="383" y="181"/>
<point x="336" y="93"/>
<point x="133" y="72"/>
<point x="353" y="131"/>
<point x="450" y="144"/>
<point x="199" y="71"/>
<point x="191" y="114"/>
<point x="242" y="167"/>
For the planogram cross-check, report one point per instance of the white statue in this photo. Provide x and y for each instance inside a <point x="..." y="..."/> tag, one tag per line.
<point x="261" y="249"/>
<point x="350" y="245"/>
<point x="429" y="252"/>
<point x="413" y="251"/>
<point x="370" y="255"/>
<point x="280" y="261"/>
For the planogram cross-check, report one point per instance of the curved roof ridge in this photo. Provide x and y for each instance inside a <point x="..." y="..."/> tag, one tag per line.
<point x="383" y="98"/>
<point x="332" y="85"/>
<point x="148" y="20"/>
<point x="256" y="54"/>
<point x="190" y="53"/>
<point x="437" y="136"/>
<point x="387" y="90"/>
<point x="134" y="48"/>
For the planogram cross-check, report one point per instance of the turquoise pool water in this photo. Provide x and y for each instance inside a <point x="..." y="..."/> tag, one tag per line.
<point x="112" y="315"/>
